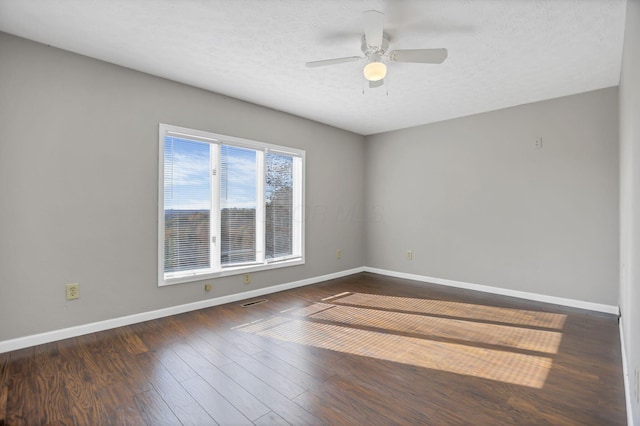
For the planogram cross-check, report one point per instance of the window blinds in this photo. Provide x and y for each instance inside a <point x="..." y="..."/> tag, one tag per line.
<point x="278" y="206"/>
<point x="187" y="205"/>
<point x="238" y="203"/>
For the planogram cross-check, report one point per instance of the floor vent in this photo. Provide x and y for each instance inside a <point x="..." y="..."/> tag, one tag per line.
<point x="253" y="303"/>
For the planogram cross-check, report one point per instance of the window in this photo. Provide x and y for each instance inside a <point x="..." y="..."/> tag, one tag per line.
<point x="226" y="205"/>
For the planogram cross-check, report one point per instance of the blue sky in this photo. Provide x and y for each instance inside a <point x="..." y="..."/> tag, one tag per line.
<point x="238" y="185"/>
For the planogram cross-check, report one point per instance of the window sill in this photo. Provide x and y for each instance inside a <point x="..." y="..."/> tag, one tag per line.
<point x="227" y="272"/>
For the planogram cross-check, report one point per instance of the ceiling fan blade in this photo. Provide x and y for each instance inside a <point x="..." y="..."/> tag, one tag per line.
<point x="335" y="61"/>
<point x="422" y="56"/>
<point x="374" y="84"/>
<point x="373" y="27"/>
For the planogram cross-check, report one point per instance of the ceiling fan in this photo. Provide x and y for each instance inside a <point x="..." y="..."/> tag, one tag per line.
<point x="375" y="43"/>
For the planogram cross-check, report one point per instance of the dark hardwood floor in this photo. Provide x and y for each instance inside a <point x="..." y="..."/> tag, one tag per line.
<point x="365" y="349"/>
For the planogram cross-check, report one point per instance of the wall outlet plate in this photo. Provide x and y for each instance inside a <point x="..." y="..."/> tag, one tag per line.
<point x="247" y="278"/>
<point x="73" y="291"/>
<point x="538" y="143"/>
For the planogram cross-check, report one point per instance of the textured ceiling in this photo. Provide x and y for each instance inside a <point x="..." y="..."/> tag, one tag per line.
<point x="501" y="52"/>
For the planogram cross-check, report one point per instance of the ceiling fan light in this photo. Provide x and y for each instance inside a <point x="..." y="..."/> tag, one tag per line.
<point x="375" y="71"/>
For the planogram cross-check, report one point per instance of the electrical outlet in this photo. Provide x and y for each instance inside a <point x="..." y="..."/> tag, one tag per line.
<point x="207" y="287"/>
<point x="538" y="143"/>
<point x="247" y="279"/>
<point x="73" y="291"/>
<point x="338" y="254"/>
<point x="409" y="255"/>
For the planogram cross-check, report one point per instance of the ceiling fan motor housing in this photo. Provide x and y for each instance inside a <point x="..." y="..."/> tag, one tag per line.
<point x="374" y="50"/>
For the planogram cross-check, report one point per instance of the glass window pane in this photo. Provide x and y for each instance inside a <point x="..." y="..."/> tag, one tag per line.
<point x="279" y="206"/>
<point x="237" y="205"/>
<point x="187" y="205"/>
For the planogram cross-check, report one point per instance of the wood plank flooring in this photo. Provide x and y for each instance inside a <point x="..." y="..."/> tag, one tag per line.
<point x="361" y="350"/>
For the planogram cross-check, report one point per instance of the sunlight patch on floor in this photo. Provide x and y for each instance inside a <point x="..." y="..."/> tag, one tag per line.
<point x="476" y="332"/>
<point x="503" y="366"/>
<point x="503" y="344"/>
<point x="456" y="309"/>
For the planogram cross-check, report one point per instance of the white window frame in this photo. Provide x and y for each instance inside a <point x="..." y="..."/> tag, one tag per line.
<point x="217" y="270"/>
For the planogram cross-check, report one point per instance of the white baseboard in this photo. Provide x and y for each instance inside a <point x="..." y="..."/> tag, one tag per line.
<point x="502" y="291"/>
<point x="65" y="333"/>
<point x="625" y="375"/>
<point x="79" y="330"/>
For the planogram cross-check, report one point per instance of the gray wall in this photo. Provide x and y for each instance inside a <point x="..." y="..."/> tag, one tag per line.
<point x="471" y="197"/>
<point x="78" y="187"/>
<point x="630" y="198"/>
<point x="476" y="202"/>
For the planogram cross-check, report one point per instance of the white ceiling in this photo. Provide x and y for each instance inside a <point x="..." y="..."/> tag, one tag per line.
<point x="501" y="52"/>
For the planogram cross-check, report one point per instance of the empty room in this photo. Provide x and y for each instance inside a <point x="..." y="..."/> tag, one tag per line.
<point x="323" y="212"/>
